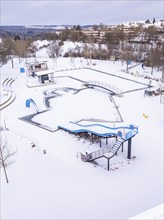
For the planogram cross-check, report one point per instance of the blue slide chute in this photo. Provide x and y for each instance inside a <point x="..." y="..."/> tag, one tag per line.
<point x="124" y="132"/>
<point x="31" y="101"/>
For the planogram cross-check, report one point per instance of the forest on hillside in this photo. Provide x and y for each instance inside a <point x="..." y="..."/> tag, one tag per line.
<point x="138" y="43"/>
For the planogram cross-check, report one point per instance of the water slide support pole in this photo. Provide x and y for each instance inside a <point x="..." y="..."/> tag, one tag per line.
<point x="129" y="148"/>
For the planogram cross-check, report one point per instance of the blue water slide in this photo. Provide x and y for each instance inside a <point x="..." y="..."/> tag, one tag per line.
<point x="104" y="126"/>
<point x="76" y="128"/>
<point x="31" y="101"/>
<point x="131" y="130"/>
<point x="125" y="132"/>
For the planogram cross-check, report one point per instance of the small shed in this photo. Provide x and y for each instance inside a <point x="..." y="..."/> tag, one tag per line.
<point x="45" y="76"/>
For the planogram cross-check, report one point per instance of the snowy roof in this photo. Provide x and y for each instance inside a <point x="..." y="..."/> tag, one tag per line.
<point x="35" y="62"/>
<point x="45" y="72"/>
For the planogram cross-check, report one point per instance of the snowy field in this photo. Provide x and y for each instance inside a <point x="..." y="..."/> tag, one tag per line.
<point x="57" y="184"/>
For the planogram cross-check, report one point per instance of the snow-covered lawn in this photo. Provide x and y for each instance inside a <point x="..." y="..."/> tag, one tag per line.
<point x="50" y="181"/>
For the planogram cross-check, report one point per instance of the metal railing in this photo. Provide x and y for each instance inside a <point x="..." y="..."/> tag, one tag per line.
<point x="101" y="152"/>
<point x="104" y="85"/>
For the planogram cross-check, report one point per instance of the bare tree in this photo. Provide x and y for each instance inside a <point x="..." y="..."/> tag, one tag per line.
<point x="54" y="50"/>
<point x="8" y="46"/>
<point x="15" y="47"/>
<point x="21" y="48"/>
<point x="151" y="33"/>
<point x="153" y="58"/>
<point x="5" y="156"/>
<point x="88" y="50"/>
<point x="127" y="54"/>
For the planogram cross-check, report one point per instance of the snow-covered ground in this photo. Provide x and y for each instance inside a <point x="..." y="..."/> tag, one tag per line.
<point x="57" y="184"/>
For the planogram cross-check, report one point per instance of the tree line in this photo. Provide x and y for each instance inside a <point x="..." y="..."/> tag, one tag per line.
<point x="134" y="43"/>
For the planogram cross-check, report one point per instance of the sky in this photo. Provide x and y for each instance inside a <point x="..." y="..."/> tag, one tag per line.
<point x="44" y="12"/>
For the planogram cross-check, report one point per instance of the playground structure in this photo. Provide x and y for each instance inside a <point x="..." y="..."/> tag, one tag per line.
<point x="122" y="134"/>
<point x="31" y="101"/>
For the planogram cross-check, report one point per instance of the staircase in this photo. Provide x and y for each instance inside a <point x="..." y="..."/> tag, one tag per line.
<point x="102" y="152"/>
<point x="116" y="147"/>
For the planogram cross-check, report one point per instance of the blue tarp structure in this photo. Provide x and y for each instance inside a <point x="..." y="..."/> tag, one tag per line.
<point x="22" y="70"/>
